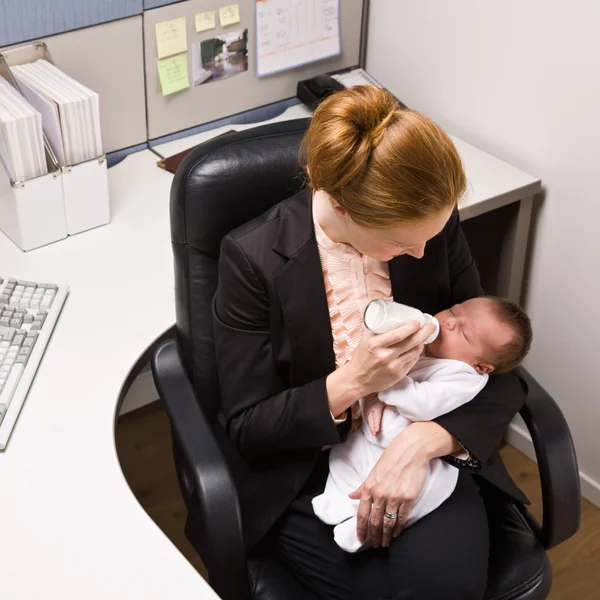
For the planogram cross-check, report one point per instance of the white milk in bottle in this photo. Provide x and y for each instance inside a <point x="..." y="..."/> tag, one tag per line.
<point x="382" y="316"/>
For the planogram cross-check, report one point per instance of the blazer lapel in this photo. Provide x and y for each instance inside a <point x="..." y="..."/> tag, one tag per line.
<point x="301" y="292"/>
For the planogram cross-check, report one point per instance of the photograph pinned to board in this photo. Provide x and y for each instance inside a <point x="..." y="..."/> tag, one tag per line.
<point x="292" y="34"/>
<point x="220" y="57"/>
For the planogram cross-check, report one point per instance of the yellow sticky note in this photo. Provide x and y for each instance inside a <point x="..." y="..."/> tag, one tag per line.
<point x="171" y="37"/>
<point x="229" y="15"/>
<point x="205" y="21"/>
<point x="173" y="74"/>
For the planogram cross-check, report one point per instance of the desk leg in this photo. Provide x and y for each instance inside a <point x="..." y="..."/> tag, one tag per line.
<point x="512" y="259"/>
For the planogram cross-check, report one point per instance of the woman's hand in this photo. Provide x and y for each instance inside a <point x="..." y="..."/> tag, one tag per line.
<point x="397" y="479"/>
<point x="378" y="362"/>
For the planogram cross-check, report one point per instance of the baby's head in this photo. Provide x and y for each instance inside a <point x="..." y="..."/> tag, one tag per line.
<point x="491" y="334"/>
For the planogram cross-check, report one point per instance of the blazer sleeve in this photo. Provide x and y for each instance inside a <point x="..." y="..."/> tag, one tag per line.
<point x="263" y="417"/>
<point x="479" y="426"/>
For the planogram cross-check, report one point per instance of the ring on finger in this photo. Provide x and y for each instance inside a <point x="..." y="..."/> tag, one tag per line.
<point x="392" y="516"/>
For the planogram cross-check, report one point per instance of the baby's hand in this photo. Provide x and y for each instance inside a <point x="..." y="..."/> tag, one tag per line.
<point x="373" y="411"/>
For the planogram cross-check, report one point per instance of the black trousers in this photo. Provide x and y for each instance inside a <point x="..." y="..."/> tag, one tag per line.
<point x="443" y="556"/>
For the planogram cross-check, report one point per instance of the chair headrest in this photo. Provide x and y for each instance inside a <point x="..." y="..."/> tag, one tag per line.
<point x="232" y="179"/>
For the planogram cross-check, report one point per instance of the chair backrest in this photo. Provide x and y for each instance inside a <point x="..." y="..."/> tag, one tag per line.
<point x="219" y="186"/>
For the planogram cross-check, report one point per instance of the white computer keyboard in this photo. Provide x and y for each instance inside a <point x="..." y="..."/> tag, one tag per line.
<point x="28" y="313"/>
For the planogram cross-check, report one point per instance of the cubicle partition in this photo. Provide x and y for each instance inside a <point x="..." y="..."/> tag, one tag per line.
<point x="204" y="103"/>
<point x="110" y="46"/>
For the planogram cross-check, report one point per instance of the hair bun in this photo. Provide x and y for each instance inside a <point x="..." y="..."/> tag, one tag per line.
<point x="382" y="164"/>
<point x="369" y="109"/>
<point x="356" y="120"/>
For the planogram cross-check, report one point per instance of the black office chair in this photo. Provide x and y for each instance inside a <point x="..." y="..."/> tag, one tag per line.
<point x="219" y="186"/>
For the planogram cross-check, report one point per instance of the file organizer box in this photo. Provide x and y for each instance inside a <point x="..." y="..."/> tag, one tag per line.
<point x="32" y="212"/>
<point x="86" y="203"/>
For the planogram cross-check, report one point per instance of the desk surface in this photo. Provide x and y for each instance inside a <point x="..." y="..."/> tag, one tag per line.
<point x="492" y="182"/>
<point x="71" y="527"/>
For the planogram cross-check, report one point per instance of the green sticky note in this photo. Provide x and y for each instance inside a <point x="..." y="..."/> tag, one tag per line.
<point x="173" y="74"/>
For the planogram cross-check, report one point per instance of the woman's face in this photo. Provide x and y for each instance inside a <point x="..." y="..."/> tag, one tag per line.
<point x="385" y="244"/>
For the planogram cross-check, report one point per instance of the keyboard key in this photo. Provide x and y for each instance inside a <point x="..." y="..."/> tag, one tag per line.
<point x="11" y="383"/>
<point x="28" y="318"/>
<point x="5" y="321"/>
<point x="16" y="323"/>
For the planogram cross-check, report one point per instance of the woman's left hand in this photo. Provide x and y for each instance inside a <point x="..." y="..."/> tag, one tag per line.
<point x="397" y="479"/>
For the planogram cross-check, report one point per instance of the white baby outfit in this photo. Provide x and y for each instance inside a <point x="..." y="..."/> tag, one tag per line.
<point x="432" y="388"/>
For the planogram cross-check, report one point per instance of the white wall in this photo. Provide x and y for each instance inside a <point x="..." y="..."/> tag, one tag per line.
<point x="521" y="80"/>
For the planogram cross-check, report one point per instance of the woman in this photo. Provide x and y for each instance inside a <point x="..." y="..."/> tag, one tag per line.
<point x="378" y="219"/>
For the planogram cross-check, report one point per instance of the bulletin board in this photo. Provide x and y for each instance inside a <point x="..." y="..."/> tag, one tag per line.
<point x="217" y="99"/>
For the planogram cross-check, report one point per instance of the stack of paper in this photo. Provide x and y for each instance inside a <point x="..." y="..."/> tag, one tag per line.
<point x="70" y="111"/>
<point x="21" y="138"/>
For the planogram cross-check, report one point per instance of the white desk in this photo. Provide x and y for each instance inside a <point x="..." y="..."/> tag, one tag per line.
<point x="71" y="528"/>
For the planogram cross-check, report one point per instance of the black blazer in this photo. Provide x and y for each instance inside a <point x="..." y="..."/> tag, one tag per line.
<point x="274" y="351"/>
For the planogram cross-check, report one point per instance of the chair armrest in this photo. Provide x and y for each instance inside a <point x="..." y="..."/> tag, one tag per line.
<point x="557" y="462"/>
<point x="213" y="511"/>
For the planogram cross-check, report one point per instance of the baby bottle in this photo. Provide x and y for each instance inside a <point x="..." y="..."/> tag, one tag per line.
<point x="382" y="316"/>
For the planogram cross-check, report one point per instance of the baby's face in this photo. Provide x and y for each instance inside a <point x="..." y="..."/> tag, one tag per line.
<point x="470" y="332"/>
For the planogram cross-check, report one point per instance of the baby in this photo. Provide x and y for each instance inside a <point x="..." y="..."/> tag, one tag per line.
<point x="477" y="338"/>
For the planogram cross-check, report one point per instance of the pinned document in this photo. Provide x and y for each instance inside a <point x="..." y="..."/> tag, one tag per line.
<point x="205" y="21"/>
<point x="173" y="74"/>
<point x="285" y="41"/>
<point x="171" y="37"/>
<point x="229" y="15"/>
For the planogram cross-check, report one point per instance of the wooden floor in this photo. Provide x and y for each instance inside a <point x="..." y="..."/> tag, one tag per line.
<point x="144" y="447"/>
